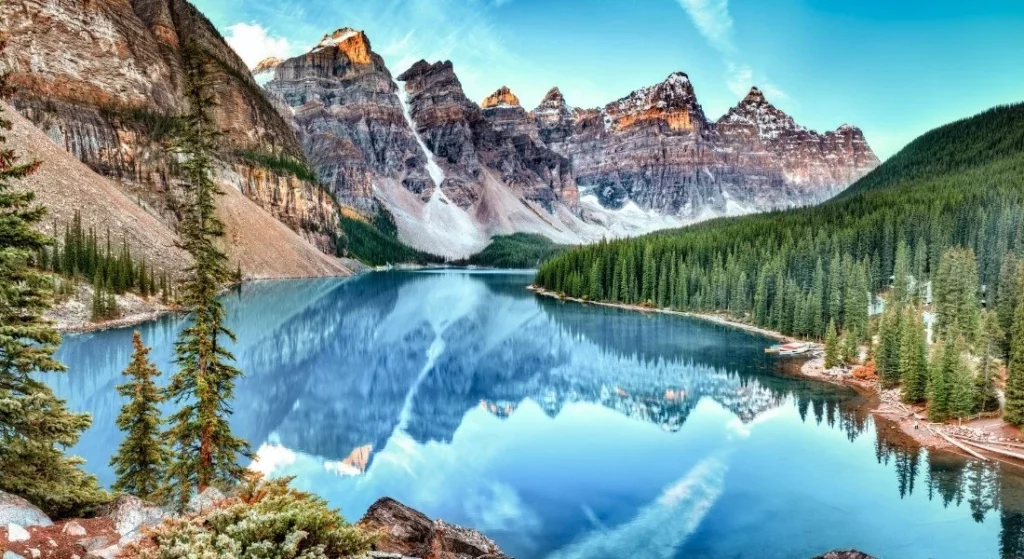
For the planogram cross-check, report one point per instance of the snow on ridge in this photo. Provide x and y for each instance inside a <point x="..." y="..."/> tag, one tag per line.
<point x="338" y="37"/>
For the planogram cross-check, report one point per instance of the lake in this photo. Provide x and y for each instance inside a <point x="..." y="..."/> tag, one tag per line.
<point x="562" y="430"/>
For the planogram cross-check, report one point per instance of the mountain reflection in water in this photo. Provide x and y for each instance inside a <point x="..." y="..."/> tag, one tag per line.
<point x="563" y="430"/>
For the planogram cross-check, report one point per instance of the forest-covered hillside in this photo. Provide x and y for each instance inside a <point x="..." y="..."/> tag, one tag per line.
<point x="519" y="250"/>
<point x="961" y="185"/>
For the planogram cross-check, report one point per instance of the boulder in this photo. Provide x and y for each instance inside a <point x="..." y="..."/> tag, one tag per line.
<point x="73" y="528"/>
<point x="111" y="552"/>
<point x="16" y="533"/>
<point x="405" y="532"/>
<point x="15" y="510"/>
<point x="849" y="554"/>
<point x="95" y="543"/>
<point x="130" y="514"/>
<point x="205" y="500"/>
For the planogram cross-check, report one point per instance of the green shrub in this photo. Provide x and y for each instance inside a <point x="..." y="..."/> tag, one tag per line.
<point x="267" y="520"/>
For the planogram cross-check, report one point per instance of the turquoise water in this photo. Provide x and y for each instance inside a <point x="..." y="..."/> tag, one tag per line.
<point x="564" y="431"/>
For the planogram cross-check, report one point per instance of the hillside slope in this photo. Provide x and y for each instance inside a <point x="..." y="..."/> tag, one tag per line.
<point x="964" y="144"/>
<point x="104" y="80"/>
<point x="961" y="185"/>
<point x="261" y="245"/>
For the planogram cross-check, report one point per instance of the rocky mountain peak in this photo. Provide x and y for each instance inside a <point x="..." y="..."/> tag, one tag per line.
<point x="553" y="100"/>
<point x="755" y="96"/>
<point x="352" y="42"/>
<point x="755" y="116"/>
<point x="672" y="102"/>
<point x="503" y="97"/>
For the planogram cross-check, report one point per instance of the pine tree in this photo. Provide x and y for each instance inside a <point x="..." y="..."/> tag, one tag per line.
<point x="889" y="346"/>
<point x="961" y="393"/>
<point x="35" y="425"/>
<point x="831" y="346"/>
<point x="856" y="302"/>
<point x="142" y="457"/>
<point x="914" y="358"/>
<point x="985" y="397"/>
<point x="1008" y="297"/>
<point x="851" y="348"/>
<point x="956" y="296"/>
<point x="1014" y="411"/>
<point x="943" y="364"/>
<point x="205" y="450"/>
<point x="901" y="278"/>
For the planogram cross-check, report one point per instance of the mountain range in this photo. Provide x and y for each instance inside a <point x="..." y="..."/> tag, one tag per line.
<point x="454" y="173"/>
<point x="333" y="134"/>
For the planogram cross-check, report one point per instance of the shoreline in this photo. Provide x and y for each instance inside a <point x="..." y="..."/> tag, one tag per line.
<point x="910" y="424"/>
<point x="154" y="310"/>
<point x="716" y="319"/>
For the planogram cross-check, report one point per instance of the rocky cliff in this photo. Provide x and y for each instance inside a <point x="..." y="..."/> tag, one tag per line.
<point x="658" y="149"/>
<point x="451" y="174"/>
<point x="104" y="79"/>
<point x="345" y="108"/>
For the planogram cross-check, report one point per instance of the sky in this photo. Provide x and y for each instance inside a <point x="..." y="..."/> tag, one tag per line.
<point x="895" y="68"/>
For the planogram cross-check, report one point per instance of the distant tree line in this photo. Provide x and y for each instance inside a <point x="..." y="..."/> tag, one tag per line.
<point x="82" y="256"/>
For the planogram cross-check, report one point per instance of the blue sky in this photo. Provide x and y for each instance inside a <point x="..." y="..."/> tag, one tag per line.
<point x="896" y="68"/>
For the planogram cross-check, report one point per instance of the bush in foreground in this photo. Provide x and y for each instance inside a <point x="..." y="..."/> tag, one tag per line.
<point x="267" y="520"/>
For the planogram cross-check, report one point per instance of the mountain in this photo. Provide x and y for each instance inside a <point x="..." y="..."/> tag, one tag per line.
<point x="658" y="149"/>
<point x="960" y="186"/>
<point x="453" y="173"/>
<point x="103" y="80"/>
<point x="416" y="148"/>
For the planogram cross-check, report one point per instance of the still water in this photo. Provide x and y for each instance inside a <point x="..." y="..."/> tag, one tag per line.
<point x="564" y="431"/>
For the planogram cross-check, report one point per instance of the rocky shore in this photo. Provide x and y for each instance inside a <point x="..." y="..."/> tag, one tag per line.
<point x="401" y="532"/>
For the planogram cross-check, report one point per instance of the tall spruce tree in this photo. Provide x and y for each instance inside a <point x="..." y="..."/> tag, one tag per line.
<point x="205" y="451"/>
<point x="1008" y="297"/>
<point x="856" y="302"/>
<point x="956" y="296"/>
<point x="832" y="357"/>
<point x="1014" y="412"/>
<point x="35" y="426"/>
<point x="890" y="346"/>
<point x="141" y="460"/>
<point x="985" y="397"/>
<point x="944" y="362"/>
<point x="914" y="358"/>
<point x="961" y="392"/>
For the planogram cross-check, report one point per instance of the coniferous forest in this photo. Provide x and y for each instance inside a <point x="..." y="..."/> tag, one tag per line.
<point x="937" y="227"/>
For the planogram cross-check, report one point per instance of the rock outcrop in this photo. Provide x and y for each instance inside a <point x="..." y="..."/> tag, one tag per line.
<point x="104" y="80"/>
<point x="404" y="532"/>
<point x="657" y="148"/>
<point x="346" y="111"/>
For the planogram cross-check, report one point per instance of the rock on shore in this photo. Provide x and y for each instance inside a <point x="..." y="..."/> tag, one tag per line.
<point x="408" y="533"/>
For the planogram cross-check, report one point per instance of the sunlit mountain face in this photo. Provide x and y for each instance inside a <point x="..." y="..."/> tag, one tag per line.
<point x="562" y="430"/>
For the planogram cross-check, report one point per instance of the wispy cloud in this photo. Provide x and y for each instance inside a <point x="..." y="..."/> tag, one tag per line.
<point x="714" y="22"/>
<point x="253" y="43"/>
